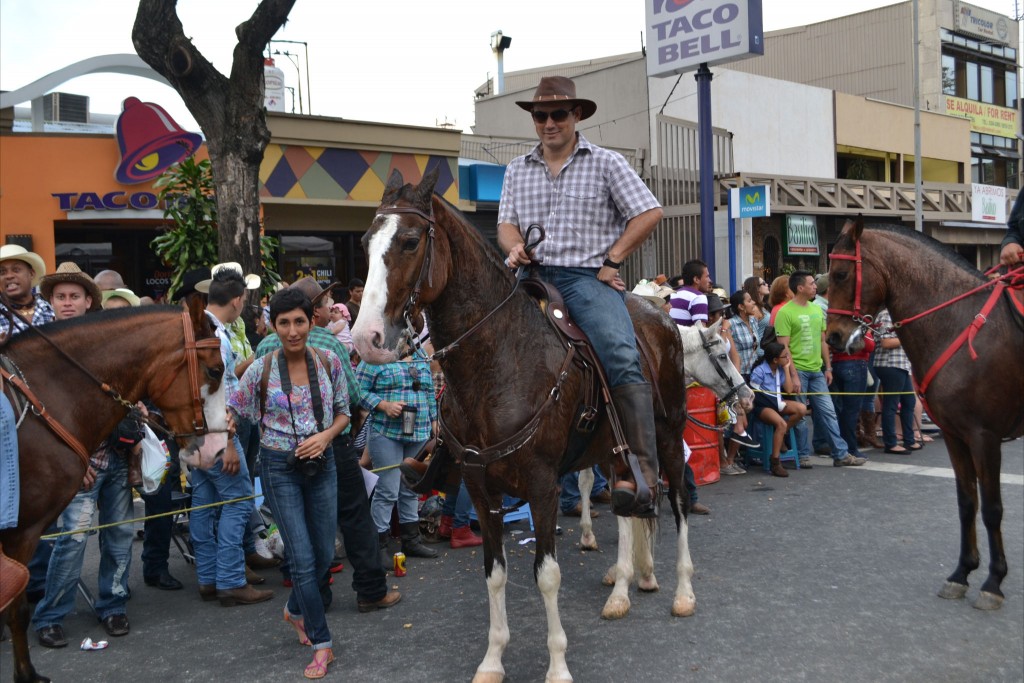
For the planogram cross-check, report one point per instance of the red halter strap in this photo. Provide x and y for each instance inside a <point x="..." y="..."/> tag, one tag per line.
<point x="191" y="360"/>
<point x="858" y="281"/>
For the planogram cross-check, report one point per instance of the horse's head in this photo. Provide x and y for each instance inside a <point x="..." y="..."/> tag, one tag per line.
<point x="707" y="362"/>
<point x="194" y="404"/>
<point x="856" y="290"/>
<point x="406" y="268"/>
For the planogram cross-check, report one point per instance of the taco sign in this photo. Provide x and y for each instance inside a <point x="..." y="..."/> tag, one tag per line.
<point x="683" y="34"/>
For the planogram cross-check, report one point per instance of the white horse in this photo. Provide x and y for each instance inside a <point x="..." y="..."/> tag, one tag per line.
<point x="707" y="362"/>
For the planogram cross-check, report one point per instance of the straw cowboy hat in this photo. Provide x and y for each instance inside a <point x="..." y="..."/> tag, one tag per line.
<point x="557" y="89"/>
<point x="123" y="293"/>
<point x="16" y="252"/>
<point x="70" y="272"/>
<point x="251" y="281"/>
<point x="653" y="292"/>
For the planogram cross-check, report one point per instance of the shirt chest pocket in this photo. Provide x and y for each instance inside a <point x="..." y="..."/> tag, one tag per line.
<point x="583" y="203"/>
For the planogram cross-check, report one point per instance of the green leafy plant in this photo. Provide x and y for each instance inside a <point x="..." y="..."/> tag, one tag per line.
<point x="186" y="192"/>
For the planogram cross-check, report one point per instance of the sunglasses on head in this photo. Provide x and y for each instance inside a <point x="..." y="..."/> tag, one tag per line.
<point x="557" y="115"/>
<point x="414" y="373"/>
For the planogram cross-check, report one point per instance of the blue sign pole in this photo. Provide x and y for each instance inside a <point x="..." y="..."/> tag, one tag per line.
<point x="707" y="171"/>
<point x="732" y="248"/>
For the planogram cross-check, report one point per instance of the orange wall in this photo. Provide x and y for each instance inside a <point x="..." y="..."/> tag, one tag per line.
<point x="33" y="167"/>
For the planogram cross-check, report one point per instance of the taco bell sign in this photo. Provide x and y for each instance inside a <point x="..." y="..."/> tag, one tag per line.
<point x="683" y="34"/>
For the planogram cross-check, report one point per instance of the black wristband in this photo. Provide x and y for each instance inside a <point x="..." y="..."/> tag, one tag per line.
<point x="608" y="263"/>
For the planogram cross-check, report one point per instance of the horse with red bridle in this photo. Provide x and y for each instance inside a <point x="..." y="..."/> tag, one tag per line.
<point x="964" y="336"/>
<point x="71" y="382"/>
<point x="511" y="393"/>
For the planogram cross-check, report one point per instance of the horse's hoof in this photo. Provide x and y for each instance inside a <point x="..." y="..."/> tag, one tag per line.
<point x="610" y="576"/>
<point x="684" y="606"/>
<point x="559" y="679"/>
<point x="588" y="542"/>
<point x="616" y="607"/>
<point x="988" y="601"/>
<point x="488" y="677"/>
<point x="648" y="584"/>
<point x="953" y="591"/>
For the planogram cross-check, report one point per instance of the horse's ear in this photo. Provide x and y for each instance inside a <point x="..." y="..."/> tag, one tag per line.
<point x="197" y="313"/>
<point x="854" y="228"/>
<point x="394" y="186"/>
<point x="717" y="327"/>
<point x="426" y="186"/>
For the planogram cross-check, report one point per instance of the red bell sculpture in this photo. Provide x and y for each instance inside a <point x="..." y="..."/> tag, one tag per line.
<point x="150" y="142"/>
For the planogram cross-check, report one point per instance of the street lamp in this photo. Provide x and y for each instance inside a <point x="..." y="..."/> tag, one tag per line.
<point x="500" y="43"/>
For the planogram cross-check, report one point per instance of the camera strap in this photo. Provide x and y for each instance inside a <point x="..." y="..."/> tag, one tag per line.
<point x="314" y="389"/>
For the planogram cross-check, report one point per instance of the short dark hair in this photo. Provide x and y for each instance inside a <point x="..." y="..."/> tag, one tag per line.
<point x="773" y="350"/>
<point x="693" y="270"/>
<point x="356" y="282"/>
<point x="289" y="299"/>
<point x="226" y="285"/>
<point x="798" y="278"/>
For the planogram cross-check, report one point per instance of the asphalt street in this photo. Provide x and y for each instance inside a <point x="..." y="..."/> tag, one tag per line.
<point x="829" y="575"/>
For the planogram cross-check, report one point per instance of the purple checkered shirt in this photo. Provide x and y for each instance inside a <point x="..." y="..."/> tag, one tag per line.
<point x="583" y="211"/>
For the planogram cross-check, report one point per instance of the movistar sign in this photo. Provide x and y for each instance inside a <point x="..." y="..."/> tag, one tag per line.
<point x="749" y="202"/>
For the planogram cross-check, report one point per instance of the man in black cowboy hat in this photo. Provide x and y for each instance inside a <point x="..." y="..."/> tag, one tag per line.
<point x="596" y="211"/>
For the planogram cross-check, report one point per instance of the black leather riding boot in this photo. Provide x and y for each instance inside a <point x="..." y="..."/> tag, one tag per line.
<point x="412" y="544"/>
<point x="635" y="406"/>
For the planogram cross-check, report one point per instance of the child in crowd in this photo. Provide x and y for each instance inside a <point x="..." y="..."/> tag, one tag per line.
<point x="772" y="377"/>
<point x="339" y="325"/>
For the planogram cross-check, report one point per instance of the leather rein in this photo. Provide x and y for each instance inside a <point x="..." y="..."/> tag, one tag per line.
<point x="1011" y="279"/>
<point x="190" y="359"/>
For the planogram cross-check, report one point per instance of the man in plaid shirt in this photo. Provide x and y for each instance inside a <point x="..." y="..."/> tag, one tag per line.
<point x="595" y="211"/>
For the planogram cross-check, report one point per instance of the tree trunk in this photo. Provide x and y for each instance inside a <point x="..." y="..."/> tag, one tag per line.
<point x="230" y="111"/>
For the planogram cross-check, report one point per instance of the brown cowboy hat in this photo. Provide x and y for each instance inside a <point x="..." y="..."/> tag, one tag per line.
<point x="70" y="272"/>
<point x="557" y="89"/>
<point x="312" y="289"/>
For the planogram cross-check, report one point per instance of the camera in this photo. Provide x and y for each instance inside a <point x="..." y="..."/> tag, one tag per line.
<point x="308" y="466"/>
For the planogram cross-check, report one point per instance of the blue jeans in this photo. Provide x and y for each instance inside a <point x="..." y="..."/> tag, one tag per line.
<point x="306" y="511"/>
<point x="849" y="376"/>
<point x="813" y="382"/>
<point x="385" y="452"/>
<point x="571" y="488"/>
<point x="458" y="505"/>
<point x="220" y="560"/>
<point x="897" y="380"/>
<point x="111" y="495"/>
<point x="600" y="311"/>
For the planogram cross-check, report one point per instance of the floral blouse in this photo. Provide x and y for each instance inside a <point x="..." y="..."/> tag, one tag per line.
<point x="277" y="431"/>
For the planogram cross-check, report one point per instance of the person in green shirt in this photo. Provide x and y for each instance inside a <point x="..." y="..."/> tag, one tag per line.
<point x="800" y="326"/>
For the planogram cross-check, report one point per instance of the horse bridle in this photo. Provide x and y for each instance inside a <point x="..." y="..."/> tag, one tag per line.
<point x="190" y="359"/>
<point x="414" y="296"/>
<point x="708" y="344"/>
<point x="862" y="320"/>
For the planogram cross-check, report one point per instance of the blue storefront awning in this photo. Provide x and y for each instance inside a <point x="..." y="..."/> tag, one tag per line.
<point x="480" y="181"/>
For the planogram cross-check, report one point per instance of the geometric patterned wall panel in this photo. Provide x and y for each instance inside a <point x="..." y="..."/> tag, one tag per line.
<point x="335" y="173"/>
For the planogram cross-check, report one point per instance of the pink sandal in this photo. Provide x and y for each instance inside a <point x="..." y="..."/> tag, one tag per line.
<point x="318" y="667"/>
<point x="298" y="626"/>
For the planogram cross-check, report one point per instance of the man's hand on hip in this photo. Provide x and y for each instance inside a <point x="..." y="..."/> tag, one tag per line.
<point x="610" y="276"/>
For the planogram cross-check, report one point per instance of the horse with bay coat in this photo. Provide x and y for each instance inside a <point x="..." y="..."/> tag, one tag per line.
<point x="965" y="341"/>
<point x="83" y="376"/>
<point x="505" y="368"/>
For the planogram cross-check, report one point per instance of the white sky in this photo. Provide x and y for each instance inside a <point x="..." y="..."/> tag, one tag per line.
<point x="398" y="61"/>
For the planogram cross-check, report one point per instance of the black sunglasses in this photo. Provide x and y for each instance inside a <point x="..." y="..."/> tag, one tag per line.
<point x="557" y="115"/>
<point x="414" y="373"/>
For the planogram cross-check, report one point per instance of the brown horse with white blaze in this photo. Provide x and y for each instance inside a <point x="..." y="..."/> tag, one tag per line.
<point x="965" y="343"/>
<point x="86" y="373"/>
<point x="511" y="392"/>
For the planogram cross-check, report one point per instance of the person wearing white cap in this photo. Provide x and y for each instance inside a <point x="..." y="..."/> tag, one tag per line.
<point x="20" y="271"/>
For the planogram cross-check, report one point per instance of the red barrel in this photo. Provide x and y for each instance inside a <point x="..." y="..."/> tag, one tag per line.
<point x="701" y="405"/>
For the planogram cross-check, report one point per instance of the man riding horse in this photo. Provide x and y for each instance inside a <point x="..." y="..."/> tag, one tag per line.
<point x="596" y="211"/>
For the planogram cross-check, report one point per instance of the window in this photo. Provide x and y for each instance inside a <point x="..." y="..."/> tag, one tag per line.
<point x="1011" y="89"/>
<point x="988" y="86"/>
<point x="1010" y="53"/>
<point x="949" y="74"/>
<point x="973" y="87"/>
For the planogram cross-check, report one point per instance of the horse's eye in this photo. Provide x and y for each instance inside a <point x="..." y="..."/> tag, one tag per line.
<point x="410" y="244"/>
<point x="839" y="276"/>
<point x="214" y="373"/>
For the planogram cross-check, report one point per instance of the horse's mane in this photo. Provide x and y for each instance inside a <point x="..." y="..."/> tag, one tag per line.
<point x="944" y="251"/>
<point x="59" y="326"/>
<point x="491" y="253"/>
